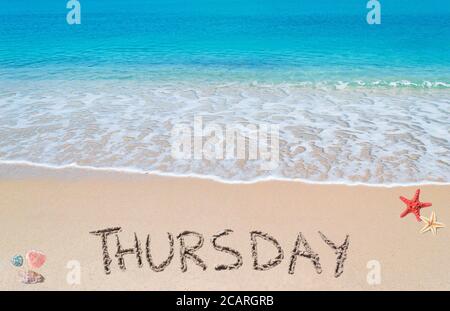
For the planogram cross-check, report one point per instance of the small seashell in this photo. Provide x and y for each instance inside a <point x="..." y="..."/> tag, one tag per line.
<point x="17" y="261"/>
<point x="31" y="277"/>
<point x="35" y="259"/>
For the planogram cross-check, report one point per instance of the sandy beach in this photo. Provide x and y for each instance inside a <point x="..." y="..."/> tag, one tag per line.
<point x="54" y="211"/>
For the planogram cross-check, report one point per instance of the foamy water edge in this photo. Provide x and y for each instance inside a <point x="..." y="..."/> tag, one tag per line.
<point x="345" y="136"/>
<point x="216" y="178"/>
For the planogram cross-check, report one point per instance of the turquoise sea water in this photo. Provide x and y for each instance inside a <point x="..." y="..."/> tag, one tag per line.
<point x="354" y="103"/>
<point x="256" y="40"/>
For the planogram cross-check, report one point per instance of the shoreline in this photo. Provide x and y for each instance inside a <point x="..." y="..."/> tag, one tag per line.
<point x="343" y="136"/>
<point x="54" y="211"/>
<point x="13" y="168"/>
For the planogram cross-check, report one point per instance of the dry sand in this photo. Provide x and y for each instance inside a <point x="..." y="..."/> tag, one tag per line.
<point x="54" y="210"/>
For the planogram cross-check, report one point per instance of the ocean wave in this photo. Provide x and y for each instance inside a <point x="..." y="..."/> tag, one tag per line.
<point x="345" y="135"/>
<point x="396" y="84"/>
<point x="124" y="170"/>
<point x="213" y="76"/>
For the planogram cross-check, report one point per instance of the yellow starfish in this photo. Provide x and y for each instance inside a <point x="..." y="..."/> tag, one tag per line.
<point x="431" y="224"/>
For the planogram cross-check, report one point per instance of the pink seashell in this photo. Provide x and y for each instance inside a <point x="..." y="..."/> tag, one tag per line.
<point x="35" y="259"/>
<point x="31" y="277"/>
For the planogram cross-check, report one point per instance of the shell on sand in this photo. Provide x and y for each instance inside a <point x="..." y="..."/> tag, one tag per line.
<point x="35" y="259"/>
<point x="31" y="277"/>
<point x="17" y="261"/>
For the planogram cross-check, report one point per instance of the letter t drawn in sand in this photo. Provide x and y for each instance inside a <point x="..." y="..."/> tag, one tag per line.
<point x="104" y="236"/>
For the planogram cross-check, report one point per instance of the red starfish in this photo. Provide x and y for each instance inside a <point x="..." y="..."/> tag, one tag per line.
<point x="414" y="205"/>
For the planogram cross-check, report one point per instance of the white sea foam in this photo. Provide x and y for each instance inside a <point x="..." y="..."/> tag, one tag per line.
<point x="343" y="134"/>
<point x="124" y="170"/>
